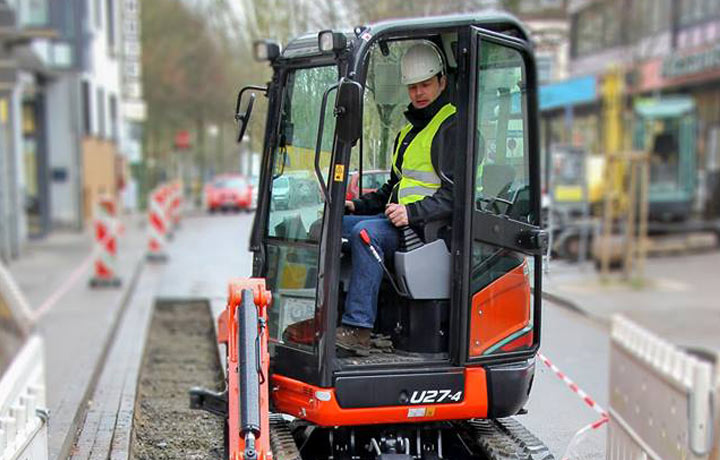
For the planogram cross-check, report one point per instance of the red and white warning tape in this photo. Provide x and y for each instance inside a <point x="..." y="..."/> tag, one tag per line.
<point x="590" y="402"/>
<point x="573" y="386"/>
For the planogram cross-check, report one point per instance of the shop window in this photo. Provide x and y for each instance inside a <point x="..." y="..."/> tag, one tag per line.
<point x="28" y="119"/>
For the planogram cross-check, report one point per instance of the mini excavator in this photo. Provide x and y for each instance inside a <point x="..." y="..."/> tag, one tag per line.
<point x="458" y="326"/>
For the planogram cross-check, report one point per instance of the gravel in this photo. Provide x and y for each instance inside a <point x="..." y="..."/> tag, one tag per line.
<point x="180" y="353"/>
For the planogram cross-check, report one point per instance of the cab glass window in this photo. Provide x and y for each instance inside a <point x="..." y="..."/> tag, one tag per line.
<point x="297" y="206"/>
<point x="502" y="179"/>
<point x="296" y="202"/>
<point x="499" y="277"/>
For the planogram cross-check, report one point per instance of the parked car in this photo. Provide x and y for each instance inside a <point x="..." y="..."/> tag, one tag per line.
<point x="372" y="180"/>
<point x="228" y="192"/>
<point x="294" y="190"/>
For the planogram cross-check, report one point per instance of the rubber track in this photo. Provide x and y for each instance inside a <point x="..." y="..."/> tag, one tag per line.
<point x="505" y="439"/>
<point x="282" y="442"/>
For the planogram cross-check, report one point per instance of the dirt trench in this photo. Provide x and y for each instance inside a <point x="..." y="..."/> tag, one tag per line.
<point x="180" y="353"/>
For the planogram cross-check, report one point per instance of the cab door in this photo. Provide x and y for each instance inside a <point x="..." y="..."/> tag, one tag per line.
<point x="497" y="297"/>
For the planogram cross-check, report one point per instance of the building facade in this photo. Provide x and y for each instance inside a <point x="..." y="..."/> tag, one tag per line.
<point x="661" y="49"/>
<point x="63" y="128"/>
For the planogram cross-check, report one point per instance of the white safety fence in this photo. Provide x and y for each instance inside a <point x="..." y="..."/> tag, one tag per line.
<point x="23" y="417"/>
<point x="663" y="400"/>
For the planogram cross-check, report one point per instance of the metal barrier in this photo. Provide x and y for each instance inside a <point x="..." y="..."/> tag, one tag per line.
<point x="23" y="417"/>
<point x="663" y="400"/>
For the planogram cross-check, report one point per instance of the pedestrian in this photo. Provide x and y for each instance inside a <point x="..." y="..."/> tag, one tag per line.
<point x="418" y="191"/>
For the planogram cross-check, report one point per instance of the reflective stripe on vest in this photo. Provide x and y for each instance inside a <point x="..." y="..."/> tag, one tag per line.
<point x="418" y="178"/>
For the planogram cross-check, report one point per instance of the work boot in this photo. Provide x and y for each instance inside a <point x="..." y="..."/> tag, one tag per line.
<point x="353" y="339"/>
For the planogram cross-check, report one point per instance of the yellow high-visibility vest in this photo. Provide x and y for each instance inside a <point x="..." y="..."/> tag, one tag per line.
<point x="418" y="178"/>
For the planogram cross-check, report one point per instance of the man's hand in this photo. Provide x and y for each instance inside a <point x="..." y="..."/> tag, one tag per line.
<point x="397" y="213"/>
<point x="349" y="206"/>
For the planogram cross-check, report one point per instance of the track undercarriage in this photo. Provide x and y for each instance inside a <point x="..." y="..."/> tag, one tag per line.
<point x="470" y="439"/>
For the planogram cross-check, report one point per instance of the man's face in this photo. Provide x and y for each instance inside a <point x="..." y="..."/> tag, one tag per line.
<point x="424" y="93"/>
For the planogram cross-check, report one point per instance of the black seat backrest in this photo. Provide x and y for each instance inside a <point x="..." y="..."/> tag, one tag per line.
<point x="497" y="180"/>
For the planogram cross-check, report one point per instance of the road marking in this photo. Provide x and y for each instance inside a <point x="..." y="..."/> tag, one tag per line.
<point x="50" y="302"/>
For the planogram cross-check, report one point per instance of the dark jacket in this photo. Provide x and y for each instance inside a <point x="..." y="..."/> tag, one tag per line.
<point x="438" y="206"/>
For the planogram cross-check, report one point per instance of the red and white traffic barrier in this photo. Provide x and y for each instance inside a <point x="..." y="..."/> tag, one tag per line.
<point x="590" y="402"/>
<point x="105" y="229"/>
<point x="158" y="225"/>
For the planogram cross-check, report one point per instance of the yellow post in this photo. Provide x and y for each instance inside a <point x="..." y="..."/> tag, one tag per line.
<point x="613" y="135"/>
<point x="614" y="196"/>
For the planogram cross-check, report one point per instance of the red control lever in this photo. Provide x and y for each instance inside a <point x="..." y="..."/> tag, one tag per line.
<point x="365" y="237"/>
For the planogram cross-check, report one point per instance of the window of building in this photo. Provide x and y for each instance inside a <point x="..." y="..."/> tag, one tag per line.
<point x="612" y="24"/>
<point x="33" y="13"/>
<point x="110" y="12"/>
<point x="647" y="18"/>
<point x="696" y="11"/>
<point x="67" y="21"/>
<point x="98" y="13"/>
<point x="713" y="7"/>
<point x="544" y="66"/>
<point x="113" y="117"/>
<point x="101" y="132"/>
<point x="85" y="90"/>
<point x="661" y="14"/>
<point x="588" y="30"/>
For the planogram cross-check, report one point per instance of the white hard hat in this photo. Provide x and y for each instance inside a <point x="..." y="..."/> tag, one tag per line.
<point x="420" y="62"/>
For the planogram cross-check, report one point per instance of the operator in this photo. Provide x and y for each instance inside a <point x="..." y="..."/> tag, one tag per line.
<point x="416" y="193"/>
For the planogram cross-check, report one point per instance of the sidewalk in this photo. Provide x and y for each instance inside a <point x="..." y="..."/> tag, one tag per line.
<point x="680" y="299"/>
<point x="78" y="328"/>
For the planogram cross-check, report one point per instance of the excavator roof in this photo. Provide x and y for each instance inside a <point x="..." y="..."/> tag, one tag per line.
<point x="306" y="45"/>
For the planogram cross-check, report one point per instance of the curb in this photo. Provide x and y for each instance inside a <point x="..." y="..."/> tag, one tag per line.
<point x="574" y="307"/>
<point x="564" y="302"/>
<point x="82" y="408"/>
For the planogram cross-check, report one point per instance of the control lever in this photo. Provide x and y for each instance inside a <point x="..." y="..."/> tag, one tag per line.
<point x="365" y="237"/>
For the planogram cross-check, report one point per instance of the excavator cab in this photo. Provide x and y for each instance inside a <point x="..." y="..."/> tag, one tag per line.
<point x="460" y="306"/>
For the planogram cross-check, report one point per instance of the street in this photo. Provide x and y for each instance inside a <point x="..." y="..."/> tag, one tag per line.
<point x="579" y="347"/>
<point x="500" y="137"/>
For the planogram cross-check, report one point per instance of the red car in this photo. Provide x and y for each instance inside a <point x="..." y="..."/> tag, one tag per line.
<point x="231" y="192"/>
<point x="372" y="180"/>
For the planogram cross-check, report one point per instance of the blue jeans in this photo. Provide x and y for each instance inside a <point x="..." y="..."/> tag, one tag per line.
<point x="361" y="301"/>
